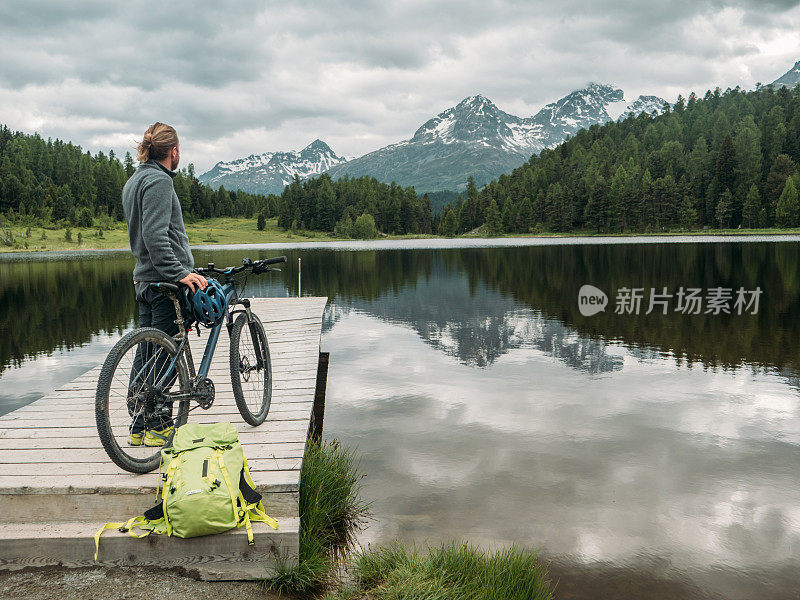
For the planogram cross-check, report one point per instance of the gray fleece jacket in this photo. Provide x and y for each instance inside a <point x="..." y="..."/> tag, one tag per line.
<point x="155" y="225"/>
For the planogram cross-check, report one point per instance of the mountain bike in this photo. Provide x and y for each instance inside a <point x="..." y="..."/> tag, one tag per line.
<point x="148" y="371"/>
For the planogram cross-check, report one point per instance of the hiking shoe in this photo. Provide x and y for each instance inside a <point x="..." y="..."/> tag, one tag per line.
<point x="135" y="439"/>
<point x="157" y="437"/>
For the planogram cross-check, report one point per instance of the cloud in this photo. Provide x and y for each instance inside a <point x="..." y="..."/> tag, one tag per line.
<point x="248" y="77"/>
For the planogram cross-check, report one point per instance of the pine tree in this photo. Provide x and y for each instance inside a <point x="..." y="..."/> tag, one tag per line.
<point x="751" y="207"/>
<point x="724" y="209"/>
<point x="788" y="208"/>
<point x="471" y="211"/>
<point x="449" y="223"/>
<point x="617" y="208"/>
<point x="344" y="228"/>
<point x="509" y="217"/>
<point x="524" y="216"/>
<point x="748" y="152"/>
<point x="782" y="168"/>
<point x="687" y="215"/>
<point x="493" y="221"/>
<point x="262" y="222"/>
<point x="725" y="166"/>
<point x="129" y="168"/>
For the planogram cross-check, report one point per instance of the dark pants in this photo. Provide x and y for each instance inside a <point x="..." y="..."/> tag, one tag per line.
<point x="155" y="310"/>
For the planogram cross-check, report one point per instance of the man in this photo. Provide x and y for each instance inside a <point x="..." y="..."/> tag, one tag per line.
<point x="161" y="247"/>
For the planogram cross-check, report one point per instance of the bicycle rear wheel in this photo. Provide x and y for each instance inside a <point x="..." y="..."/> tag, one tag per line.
<point x="251" y="369"/>
<point x="128" y="404"/>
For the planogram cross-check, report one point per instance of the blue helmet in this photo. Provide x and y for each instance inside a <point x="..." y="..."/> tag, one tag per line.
<point x="208" y="305"/>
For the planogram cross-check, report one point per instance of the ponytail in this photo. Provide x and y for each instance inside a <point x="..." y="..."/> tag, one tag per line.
<point x="157" y="142"/>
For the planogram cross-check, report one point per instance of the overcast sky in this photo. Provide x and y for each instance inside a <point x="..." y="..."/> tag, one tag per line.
<point x="243" y="77"/>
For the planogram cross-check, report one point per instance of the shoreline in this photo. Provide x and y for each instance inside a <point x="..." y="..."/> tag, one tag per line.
<point x="239" y="233"/>
<point x="431" y="243"/>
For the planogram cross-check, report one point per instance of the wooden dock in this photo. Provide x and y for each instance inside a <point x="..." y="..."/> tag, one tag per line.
<point x="58" y="486"/>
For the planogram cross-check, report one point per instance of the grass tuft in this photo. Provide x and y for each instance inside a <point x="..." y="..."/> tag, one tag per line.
<point x="331" y="514"/>
<point x="454" y="571"/>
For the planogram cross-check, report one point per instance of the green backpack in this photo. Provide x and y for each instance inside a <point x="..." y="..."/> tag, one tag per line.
<point x="207" y="488"/>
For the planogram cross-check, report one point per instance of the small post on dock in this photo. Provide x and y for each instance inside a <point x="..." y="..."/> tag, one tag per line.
<point x="299" y="275"/>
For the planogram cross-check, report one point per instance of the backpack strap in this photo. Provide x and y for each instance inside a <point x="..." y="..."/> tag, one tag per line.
<point x="255" y="507"/>
<point x="252" y="510"/>
<point x="246" y="475"/>
<point x="141" y="522"/>
<point x="222" y="468"/>
<point x="168" y="475"/>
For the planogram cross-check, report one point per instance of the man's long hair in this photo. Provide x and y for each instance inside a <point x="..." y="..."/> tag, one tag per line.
<point x="158" y="140"/>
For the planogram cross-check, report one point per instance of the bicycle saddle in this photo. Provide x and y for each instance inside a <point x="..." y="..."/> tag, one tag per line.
<point x="164" y="287"/>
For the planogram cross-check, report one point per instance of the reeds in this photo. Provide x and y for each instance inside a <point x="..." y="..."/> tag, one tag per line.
<point x="454" y="571"/>
<point x="331" y="514"/>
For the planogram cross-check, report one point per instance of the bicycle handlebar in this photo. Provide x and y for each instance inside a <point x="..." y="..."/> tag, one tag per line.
<point x="258" y="266"/>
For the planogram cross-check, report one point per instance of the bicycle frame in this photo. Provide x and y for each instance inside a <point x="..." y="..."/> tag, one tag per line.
<point x="231" y="299"/>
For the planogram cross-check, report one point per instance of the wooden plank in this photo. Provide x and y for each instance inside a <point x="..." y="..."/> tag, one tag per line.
<point x="288" y="480"/>
<point x="86" y="419"/>
<point x="61" y="398"/>
<point x="223" y="406"/>
<point x="44" y="412"/>
<point x="101" y="466"/>
<point x="68" y="419"/>
<point x="288" y="412"/>
<point x="90" y="386"/>
<point x="220" y="556"/>
<point x="224" y="372"/>
<point x="18" y="508"/>
<point x="293" y="435"/>
<point x="89" y="455"/>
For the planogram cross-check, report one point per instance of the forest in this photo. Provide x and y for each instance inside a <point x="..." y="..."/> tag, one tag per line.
<point x="52" y="182"/>
<point x="726" y="160"/>
<point x="354" y="207"/>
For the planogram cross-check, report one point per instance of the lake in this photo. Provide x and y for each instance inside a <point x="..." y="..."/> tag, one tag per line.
<point x="645" y="455"/>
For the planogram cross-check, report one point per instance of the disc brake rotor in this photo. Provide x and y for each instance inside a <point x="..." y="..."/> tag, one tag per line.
<point x="245" y="368"/>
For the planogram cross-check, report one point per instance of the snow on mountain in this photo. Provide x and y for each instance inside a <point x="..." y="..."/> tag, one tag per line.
<point x="477" y="120"/>
<point x="789" y="79"/>
<point x="579" y="110"/>
<point x="648" y="104"/>
<point x="270" y="172"/>
<point x="476" y="138"/>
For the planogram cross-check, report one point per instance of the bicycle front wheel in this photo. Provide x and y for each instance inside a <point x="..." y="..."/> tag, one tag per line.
<point x="135" y="417"/>
<point x="251" y="369"/>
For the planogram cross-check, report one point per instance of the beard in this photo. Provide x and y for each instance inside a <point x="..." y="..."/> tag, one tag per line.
<point x="175" y="162"/>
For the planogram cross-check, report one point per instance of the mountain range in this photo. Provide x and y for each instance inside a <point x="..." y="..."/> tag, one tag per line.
<point x="474" y="138"/>
<point x="270" y="172"/>
<point x="789" y="79"/>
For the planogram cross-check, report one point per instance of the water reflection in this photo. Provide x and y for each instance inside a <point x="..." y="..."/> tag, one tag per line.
<point x="651" y="456"/>
<point x="694" y="467"/>
<point x="50" y="305"/>
<point x="472" y="303"/>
